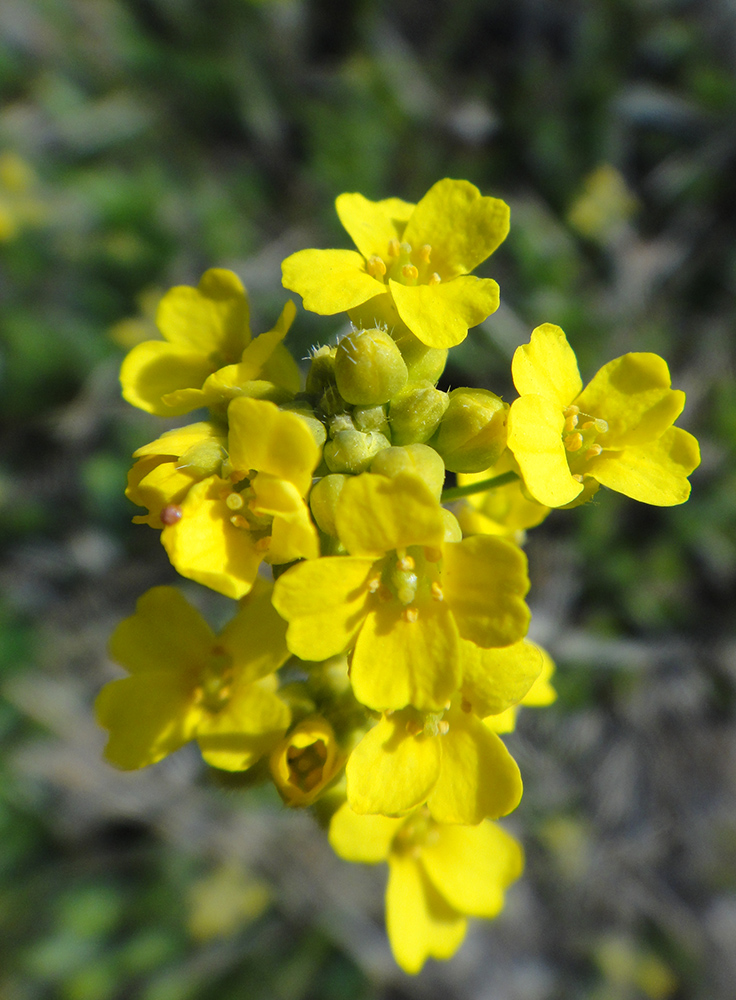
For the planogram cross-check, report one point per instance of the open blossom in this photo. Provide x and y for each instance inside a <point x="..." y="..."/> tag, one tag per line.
<point x="413" y="262"/>
<point x="404" y="596"/>
<point x="187" y="683"/>
<point x="205" y="329"/>
<point x="617" y="432"/>
<point x="225" y="527"/>
<point x="438" y="876"/>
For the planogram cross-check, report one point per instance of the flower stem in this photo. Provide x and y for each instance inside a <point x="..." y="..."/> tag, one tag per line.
<point x="456" y="492"/>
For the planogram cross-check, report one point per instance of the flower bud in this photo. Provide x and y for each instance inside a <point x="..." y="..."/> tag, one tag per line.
<point x="423" y="363"/>
<point x="369" y="368"/>
<point x="306" y="761"/>
<point x="321" y="372"/>
<point x="417" y="459"/>
<point x="322" y="501"/>
<point x="371" y="418"/>
<point x="472" y="434"/>
<point x="415" y="412"/>
<point x="352" y="451"/>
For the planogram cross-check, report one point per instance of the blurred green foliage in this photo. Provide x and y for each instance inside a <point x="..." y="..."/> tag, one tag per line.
<point x="157" y="138"/>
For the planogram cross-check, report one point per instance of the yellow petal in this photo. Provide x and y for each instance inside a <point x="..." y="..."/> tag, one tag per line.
<point x="148" y="715"/>
<point x="154" y="483"/>
<point x="484" y="581"/>
<point x="420" y="923"/>
<point x="256" y="637"/>
<point x="399" y="661"/>
<point x="155" y="369"/>
<point x="541" y="692"/>
<point x="293" y="536"/>
<point x="391" y="771"/>
<point x="365" y="839"/>
<point x="165" y="633"/>
<point x="547" y="366"/>
<point x="478" y="779"/>
<point x="210" y="319"/>
<point x="249" y="726"/>
<point x="371" y="224"/>
<point x="205" y="546"/>
<point x="329" y="281"/>
<point x="181" y="439"/>
<point x="535" y="438"/>
<point x="461" y="226"/>
<point x="495" y="679"/>
<point x="472" y="866"/>
<point x="633" y="395"/>
<point x="324" y="601"/>
<point x="270" y="440"/>
<point x="440" y="315"/>
<point x="655" y="473"/>
<point x="375" y="514"/>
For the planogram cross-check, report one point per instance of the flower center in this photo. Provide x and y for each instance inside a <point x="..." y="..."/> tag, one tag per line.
<point x="405" y="264"/>
<point x="408" y="575"/>
<point x="306" y="765"/>
<point x="242" y="501"/>
<point x="418" y="830"/>
<point x="215" y="681"/>
<point x="579" y="437"/>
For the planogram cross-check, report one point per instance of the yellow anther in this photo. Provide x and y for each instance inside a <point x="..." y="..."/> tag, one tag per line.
<point x="601" y="426"/>
<point x="593" y="452"/>
<point x="577" y="477"/>
<point x="410" y="272"/>
<point x="373" y="584"/>
<point x="434" y="279"/>
<point x="376" y="266"/>
<point x="263" y="543"/>
<point x="410" y="615"/>
<point x="572" y="410"/>
<point x="436" y="591"/>
<point x="238" y="521"/>
<point x="413" y="727"/>
<point x="574" y="442"/>
<point x="587" y="425"/>
<point x="237" y="474"/>
<point x="425" y="252"/>
<point x="405" y="563"/>
<point x="235" y="501"/>
<point x="406" y="248"/>
<point x="571" y="422"/>
<point x="394" y="248"/>
<point x="432" y="554"/>
<point x="443" y="727"/>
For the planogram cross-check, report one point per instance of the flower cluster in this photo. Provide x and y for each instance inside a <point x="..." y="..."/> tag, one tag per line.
<point x="378" y="650"/>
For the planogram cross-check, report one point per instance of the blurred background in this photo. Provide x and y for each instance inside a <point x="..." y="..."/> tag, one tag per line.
<point x="142" y="141"/>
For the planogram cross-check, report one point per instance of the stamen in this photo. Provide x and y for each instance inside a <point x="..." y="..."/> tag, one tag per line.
<point x="587" y="425"/>
<point x="572" y="410"/>
<point x="394" y="248"/>
<point x="410" y="272"/>
<point x="593" y="452"/>
<point x="571" y="422"/>
<point x="434" y="279"/>
<point x="405" y="563"/>
<point x="436" y="591"/>
<point x="425" y="252"/>
<point x="578" y="478"/>
<point x="171" y="513"/>
<point x="263" y="543"/>
<point x="376" y="267"/>
<point x="373" y="584"/>
<point x="601" y="426"/>
<point x="238" y="521"/>
<point x="443" y="727"/>
<point x="235" y="501"/>
<point x="574" y="442"/>
<point x="410" y="615"/>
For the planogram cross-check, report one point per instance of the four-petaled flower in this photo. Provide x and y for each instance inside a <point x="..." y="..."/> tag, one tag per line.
<point x="413" y="265"/>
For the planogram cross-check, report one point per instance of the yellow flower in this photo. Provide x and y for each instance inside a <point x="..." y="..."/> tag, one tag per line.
<point x="225" y="528"/>
<point x="187" y="683"/>
<point x="539" y="695"/>
<point x="206" y="329"/>
<point x="404" y="596"/>
<point x="413" y="265"/>
<point x="451" y="761"/>
<point x="168" y="467"/>
<point x="305" y="761"/>
<point x="438" y="876"/>
<point x="503" y="510"/>
<point x="617" y="432"/>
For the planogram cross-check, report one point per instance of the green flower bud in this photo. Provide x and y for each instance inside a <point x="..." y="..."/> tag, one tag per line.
<point x="371" y="418"/>
<point x="353" y="451"/>
<point x="415" y="412"/>
<point x="472" y="433"/>
<point x="321" y="372"/>
<point x="369" y="368"/>
<point x="425" y="364"/>
<point x="322" y="501"/>
<point x="340" y="422"/>
<point x="418" y="459"/>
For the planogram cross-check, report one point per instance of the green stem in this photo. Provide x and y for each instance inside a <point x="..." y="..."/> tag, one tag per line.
<point x="456" y="492"/>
